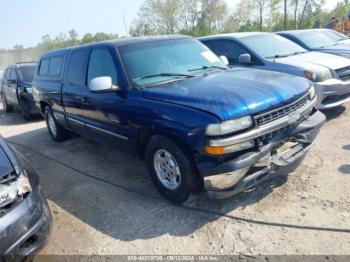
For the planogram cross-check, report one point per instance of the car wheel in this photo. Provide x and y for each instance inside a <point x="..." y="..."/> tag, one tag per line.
<point x="170" y="169"/>
<point x="57" y="132"/>
<point x="7" y="108"/>
<point x="25" y="109"/>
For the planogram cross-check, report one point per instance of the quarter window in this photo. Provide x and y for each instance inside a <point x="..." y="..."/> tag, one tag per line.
<point x="101" y="63"/>
<point x="44" y="67"/>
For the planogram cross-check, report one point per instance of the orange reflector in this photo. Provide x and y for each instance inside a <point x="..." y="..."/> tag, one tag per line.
<point x="213" y="150"/>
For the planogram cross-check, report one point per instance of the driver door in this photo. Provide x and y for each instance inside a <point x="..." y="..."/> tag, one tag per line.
<point x="105" y="113"/>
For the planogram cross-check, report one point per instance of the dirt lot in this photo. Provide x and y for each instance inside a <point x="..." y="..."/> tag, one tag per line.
<point x="104" y="203"/>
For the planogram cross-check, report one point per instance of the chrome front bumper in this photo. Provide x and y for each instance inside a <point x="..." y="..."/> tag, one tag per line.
<point x="332" y="93"/>
<point x="228" y="178"/>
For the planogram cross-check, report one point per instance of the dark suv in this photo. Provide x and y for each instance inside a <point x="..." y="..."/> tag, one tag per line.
<point x="16" y="89"/>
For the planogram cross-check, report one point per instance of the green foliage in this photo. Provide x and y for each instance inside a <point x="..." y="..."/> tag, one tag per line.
<point x="197" y="18"/>
<point x="20" y="54"/>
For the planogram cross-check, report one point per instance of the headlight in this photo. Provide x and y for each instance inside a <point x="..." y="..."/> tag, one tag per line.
<point x="312" y="93"/>
<point x="29" y="90"/>
<point x="318" y="75"/>
<point x="229" y="126"/>
<point x="14" y="188"/>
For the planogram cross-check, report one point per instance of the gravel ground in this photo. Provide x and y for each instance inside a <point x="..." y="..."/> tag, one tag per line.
<point x="104" y="203"/>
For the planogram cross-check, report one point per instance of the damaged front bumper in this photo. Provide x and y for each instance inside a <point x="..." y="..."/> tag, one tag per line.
<point x="228" y="178"/>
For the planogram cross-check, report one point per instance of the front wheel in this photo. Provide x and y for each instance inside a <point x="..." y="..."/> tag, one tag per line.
<point x="7" y="108"/>
<point x="57" y="132"/>
<point x="171" y="169"/>
<point x="25" y="109"/>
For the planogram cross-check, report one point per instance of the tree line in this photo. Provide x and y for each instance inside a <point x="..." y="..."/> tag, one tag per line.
<point x="204" y="17"/>
<point x="197" y="18"/>
<point x="19" y="54"/>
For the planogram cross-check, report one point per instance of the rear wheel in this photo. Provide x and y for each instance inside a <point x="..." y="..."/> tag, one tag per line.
<point x="7" y="108"/>
<point x="170" y="169"/>
<point x="25" y="108"/>
<point x="57" y="132"/>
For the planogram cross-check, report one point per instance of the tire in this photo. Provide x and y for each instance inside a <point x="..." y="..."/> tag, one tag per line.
<point x="182" y="181"/>
<point x="25" y="109"/>
<point x="56" y="131"/>
<point x="7" y="108"/>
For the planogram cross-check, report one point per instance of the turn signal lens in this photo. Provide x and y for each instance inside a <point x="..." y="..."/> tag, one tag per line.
<point x="220" y="150"/>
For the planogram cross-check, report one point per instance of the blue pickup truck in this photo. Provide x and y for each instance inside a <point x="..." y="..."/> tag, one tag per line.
<point x="173" y="103"/>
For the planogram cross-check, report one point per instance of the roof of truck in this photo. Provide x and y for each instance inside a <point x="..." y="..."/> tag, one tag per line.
<point x="120" y="42"/>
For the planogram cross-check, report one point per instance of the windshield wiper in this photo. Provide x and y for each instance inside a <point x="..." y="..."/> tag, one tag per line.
<point x="207" y="68"/>
<point x="299" y="52"/>
<point x="165" y="75"/>
<point x="276" y="56"/>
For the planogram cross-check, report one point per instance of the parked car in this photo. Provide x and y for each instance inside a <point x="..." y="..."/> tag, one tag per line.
<point x="330" y="74"/>
<point x="173" y="103"/>
<point x="25" y="218"/>
<point x="312" y="40"/>
<point x="16" y="89"/>
<point x="334" y="35"/>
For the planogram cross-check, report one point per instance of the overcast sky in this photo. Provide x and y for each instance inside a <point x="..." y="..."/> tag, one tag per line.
<point x="26" y="21"/>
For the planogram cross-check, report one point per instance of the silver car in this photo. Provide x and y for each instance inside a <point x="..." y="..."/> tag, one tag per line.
<point x="330" y="74"/>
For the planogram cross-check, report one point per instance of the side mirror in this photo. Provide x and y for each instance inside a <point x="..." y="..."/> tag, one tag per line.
<point x="224" y="59"/>
<point x="102" y="85"/>
<point x="11" y="81"/>
<point x="245" y="59"/>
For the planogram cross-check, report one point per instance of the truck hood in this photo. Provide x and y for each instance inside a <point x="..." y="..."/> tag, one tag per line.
<point x="233" y="93"/>
<point x="315" y="61"/>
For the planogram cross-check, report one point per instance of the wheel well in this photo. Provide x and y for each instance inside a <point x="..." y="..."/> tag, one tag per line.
<point x="145" y="136"/>
<point x="42" y="106"/>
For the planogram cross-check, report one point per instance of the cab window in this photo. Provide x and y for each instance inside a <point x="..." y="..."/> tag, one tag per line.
<point x="230" y="49"/>
<point x="101" y="63"/>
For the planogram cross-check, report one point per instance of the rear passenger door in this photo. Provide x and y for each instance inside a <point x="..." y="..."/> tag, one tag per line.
<point x="104" y="113"/>
<point x="73" y="88"/>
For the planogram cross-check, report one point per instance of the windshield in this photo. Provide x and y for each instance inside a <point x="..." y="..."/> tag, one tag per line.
<point x="27" y="72"/>
<point x="315" y="39"/>
<point x="272" y="46"/>
<point x="335" y="36"/>
<point x="156" y="62"/>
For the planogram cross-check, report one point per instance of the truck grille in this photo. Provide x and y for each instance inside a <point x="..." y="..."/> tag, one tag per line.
<point x="271" y="116"/>
<point x="344" y="73"/>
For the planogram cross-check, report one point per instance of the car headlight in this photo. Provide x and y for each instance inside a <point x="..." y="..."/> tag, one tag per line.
<point x="318" y="75"/>
<point x="230" y="126"/>
<point x="16" y="187"/>
<point x="29" y="90"/>
<point x="312" y="92"/>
